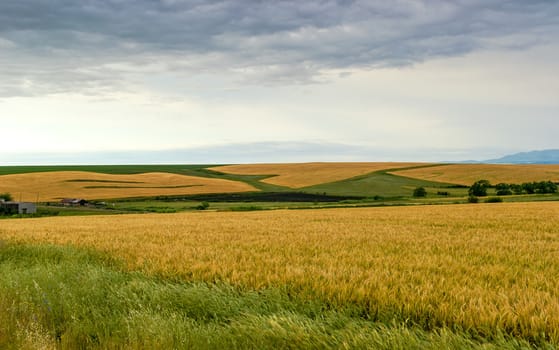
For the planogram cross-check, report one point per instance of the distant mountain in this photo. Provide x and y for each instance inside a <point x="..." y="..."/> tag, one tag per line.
<point x="548" y="156"/>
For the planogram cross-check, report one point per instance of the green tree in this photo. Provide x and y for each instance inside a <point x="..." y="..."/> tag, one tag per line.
<point x="545" y="187"/>
<point x="420" y="192"/>
<point x="529" y="187"/>
<point x="503" y="189"/>
<point x="479" y="188"/>
<point x="6" y="196"/>
<point x="517" y="189"/>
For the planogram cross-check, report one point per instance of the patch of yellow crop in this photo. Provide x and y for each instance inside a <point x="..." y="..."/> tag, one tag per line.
<point x="52" y="186"/>
<point x="467" y="174"/>
<point x="482" y="267"/>
<point x="298" y="175"/>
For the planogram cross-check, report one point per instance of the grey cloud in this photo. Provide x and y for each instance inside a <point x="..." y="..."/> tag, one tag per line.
<point x="59" y="44"/>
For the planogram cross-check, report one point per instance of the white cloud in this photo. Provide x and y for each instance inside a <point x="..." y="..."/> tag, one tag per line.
<point x="409" y="74"/>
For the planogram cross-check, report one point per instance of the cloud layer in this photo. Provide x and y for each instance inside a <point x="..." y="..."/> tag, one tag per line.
<point x="95" y="46"/>
<point x="261" y="152"/>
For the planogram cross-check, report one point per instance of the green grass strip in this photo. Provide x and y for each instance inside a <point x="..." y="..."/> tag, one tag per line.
<point x="62" y="297"/>
<point x="105" y="181"/>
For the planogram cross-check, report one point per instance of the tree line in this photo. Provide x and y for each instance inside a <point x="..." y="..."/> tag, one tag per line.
<point x="479" y="188"/>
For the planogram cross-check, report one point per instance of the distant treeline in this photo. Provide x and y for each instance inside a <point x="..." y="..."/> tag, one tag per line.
<point x="504" y="189"/>
<point x="479" y="188"/>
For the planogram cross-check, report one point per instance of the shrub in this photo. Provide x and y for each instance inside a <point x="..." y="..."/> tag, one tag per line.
<point x="545" y="187"/>
<point x="503" y="189"/>
<point x="420" y="192"/>
<point x="494" y="200"/>
<point x="473" y="199"/>
<point x="203" y="206"/>
<point x="517" y="189"/>
<point x="246" y="208"/>
<point x="529" y="187"/>
<point x="6" y="196"/>
<point x="479" y="188"/>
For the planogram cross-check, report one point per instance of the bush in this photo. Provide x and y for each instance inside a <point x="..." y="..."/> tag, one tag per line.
<point x="494" y="200"/>
<point x="504" y="193"/>
<point x="203" y="206"/>
<point x="529" y="187"/>
<point x="539" y="187"/>
<point x="473" y="199"/>
<point x="6" y="196"/>
<point x="503" y="189"/>
<point x="479" y="188"/>
<point x="516" y="188"/>
<point x="420" y="192"/>
<point x="246" y="208"/>
<point x="546" y="187"/>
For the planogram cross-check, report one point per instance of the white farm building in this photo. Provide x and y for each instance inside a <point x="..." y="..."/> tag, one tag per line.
<point x="8" y="208"/>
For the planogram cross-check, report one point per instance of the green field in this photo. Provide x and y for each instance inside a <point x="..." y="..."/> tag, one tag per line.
<point x="381" y="183"/>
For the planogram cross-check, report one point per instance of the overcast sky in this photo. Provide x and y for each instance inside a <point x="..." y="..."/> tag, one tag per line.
<point x="193" y="81"/>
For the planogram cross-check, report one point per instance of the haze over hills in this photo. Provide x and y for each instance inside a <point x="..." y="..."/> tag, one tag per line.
<point x="255" y="152"/>
<point x="548" y="156"/>
<point x="279" y="152"/>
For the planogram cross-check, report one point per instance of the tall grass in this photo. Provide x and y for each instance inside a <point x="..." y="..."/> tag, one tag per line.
<point x="484" y="269"/>
<point x="62" y="297"/>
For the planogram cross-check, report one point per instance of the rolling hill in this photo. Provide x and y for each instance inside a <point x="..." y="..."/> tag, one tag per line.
<point x="548" y="156"/>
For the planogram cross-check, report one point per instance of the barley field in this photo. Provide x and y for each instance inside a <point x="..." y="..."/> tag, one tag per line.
<point x="52" y="186"/>
<point x="467" y="174"/>
<point x="486" y="269"/>
<point x="299" y="175"/>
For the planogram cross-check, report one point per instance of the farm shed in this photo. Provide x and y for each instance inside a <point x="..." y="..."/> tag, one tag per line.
<point x="8" y="208"/>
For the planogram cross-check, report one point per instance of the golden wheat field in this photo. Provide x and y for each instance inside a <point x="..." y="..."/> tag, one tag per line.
<point x="298" y="175"/>
<point x="467" y="174"/>
<point x="52" y="186"/>
<point x="476" y="267"/>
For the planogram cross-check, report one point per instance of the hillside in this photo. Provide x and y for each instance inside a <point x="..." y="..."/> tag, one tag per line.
<point x="299" y="175"/>
<point x="549" y="156"/>
<point x="55" y="185"/>
<point x="267" y="184"/>
<point x="466" y="174"/>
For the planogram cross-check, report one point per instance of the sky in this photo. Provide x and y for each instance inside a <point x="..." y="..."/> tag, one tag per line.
<point x="192" y="81"/>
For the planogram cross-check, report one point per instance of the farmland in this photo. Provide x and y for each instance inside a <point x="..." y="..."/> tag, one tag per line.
<point x="308" y="174"/>
<point x="325" y="182"/>
<point x="466" y="174"/>
<point x="358" y="180"/>
<point x="365" y="266"/>
<point x="469" y="271"/>
<point x="54" y="185"/>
